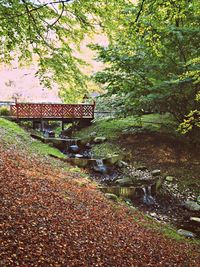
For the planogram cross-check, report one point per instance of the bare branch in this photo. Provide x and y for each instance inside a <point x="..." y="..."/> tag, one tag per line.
<point x="140" y="11"/>
<point x="31" y="17"/>
<point x="63" y="8"/>
<point x="35" y="9"/>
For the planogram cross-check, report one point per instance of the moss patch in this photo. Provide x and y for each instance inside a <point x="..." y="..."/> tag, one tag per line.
<point x="12" y="134"/>
<point x="105" y="150"/>
<point x="152" y="141"/>
<point x="113" y="128"/>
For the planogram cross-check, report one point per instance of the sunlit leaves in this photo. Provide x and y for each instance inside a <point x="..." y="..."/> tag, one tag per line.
<point x="49" y="219"/>
<point x="51" y="31"/>
<point x="152" y="58"/>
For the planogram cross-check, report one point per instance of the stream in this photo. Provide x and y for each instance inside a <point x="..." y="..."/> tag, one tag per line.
<point x="161" y="205"/>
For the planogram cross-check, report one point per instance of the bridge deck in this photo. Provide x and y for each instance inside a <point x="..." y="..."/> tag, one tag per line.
<point x="33" y="111"/>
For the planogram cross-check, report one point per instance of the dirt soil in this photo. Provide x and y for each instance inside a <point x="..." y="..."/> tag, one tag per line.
<point x="173" y="157"/>
<point x="49" y="219"/>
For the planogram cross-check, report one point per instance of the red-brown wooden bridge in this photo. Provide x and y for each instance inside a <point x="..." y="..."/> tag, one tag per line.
<point x="63" y="112"/>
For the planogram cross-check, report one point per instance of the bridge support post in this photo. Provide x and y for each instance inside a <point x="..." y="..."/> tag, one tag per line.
<point x="35" y="124"/>
<point x="63" y="126"/>
<point x="41" y="125"/>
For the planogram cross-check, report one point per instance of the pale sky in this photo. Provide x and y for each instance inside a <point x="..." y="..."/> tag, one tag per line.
<point x="21" y="82"/>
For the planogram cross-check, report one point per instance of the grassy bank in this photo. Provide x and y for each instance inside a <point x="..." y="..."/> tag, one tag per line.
<point x="151" y="140"/>
<point x="113" y="128"/>
<point x="12" y="135"/>
<point x="16" y="143"/>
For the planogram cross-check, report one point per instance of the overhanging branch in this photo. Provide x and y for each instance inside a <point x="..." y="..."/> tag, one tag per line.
<point x="63" y="2"/>
<point x="140" y="11"/>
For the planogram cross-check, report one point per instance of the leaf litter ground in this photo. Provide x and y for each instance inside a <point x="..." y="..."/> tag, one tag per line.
<point x="48" y="219"/>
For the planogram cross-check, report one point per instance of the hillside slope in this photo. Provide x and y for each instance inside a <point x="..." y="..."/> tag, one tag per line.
<point x="153" y="141"/>
<point x="53" y="217"/>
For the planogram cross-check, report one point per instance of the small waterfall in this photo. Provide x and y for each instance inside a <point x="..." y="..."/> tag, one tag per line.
<point x="75" y="142"/>
<point x="99" y="162"/>
<point x="147" y="198"/>
<point x="72" y="145"/>
<point x="72" y="142"/>
<point x="100" y="167"/>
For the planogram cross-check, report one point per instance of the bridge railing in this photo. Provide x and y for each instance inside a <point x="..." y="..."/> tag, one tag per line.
<point x="40" y="111"/>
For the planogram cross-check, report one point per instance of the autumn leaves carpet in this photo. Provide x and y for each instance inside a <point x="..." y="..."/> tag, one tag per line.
<point x="48" y="219"/>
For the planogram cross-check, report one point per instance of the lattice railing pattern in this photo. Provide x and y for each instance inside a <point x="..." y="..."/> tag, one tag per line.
<point x="30" y="110"/>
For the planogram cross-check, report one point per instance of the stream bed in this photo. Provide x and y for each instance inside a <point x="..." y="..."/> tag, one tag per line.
<point x="161" y="205"/>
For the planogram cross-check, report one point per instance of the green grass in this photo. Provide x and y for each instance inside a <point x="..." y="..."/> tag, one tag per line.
<point x="4" y="111"/>
<point x="112" y="128"/>
<point x="166" y="229"/>
<point x="12" y="134"/>
<point x="105" y="150"/>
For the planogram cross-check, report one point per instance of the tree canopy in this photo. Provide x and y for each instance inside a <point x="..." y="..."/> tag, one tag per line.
<point x="153" y="62"/>
<point x="50" y="31"/>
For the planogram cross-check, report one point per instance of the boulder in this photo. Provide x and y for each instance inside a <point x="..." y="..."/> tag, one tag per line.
<point x="192" y="205"/>
<point x="99" y="140"/>
<point x="125" y="181"/>
<point x="156" y="172"/>
<point x="169" y="178"/>
<point x="80" y="162"/>
<point x="111" y="197"/>
<point x="185" y="233"/>
<point x="195" y="219"/>
<point x="141" y="168"/>
<point x="113" y="159"/>
<point x="122" y="164"/>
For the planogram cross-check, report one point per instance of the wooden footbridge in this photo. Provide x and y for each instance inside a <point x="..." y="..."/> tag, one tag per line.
<point x="38" y="112"/>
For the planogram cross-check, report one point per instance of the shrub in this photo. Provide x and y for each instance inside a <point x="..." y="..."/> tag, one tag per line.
<point x="4" y="111"/>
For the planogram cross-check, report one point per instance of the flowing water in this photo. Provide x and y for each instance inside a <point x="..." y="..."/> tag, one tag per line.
<point x="147" y="198"/>
<point x="162" y="207"/>
<point x="100" y="166"/>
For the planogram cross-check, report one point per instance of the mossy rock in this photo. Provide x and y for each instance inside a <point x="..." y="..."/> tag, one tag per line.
<point x="169" y="178"/>
<point x="192" y="205"/>
<point x="99" y="140"/>
<point x="111" y="196"/>
<point x="125" y="181"/>
<point x="113" y="159"/>
<point x="78" y="162"/>
<point x="156" y="172"/>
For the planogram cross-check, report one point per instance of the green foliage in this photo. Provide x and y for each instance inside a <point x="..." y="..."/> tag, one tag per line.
<point x="113" y="128"/>
<point x="4" y="111"/>
<point x="105" y="150"/>
<point x="13" y="135"/>
<point x="50" y="32"/>
<point x="152" y="62"/>
<point x="191" y="123"/>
